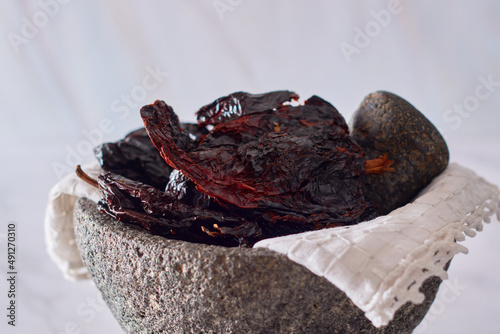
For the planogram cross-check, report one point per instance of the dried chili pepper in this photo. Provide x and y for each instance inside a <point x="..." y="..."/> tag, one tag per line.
<point x="135" y="203"/>
<point x="241" y="103"/>
<point x="264" y="169"/>
<point x="136" y="158"/>
<point x="307" y="171"/>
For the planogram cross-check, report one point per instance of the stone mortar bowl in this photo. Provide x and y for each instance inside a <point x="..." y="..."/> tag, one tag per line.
<point x="157" y="285"/>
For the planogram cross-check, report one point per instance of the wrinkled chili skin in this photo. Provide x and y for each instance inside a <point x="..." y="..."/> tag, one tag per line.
<point x="184" y="190"/>
<point x="297" y="162"/>
<point x="241" y="103"/>
<point x="136" y="158"/>
<point x="139" y="204"/>
<point x="264" y="169"/>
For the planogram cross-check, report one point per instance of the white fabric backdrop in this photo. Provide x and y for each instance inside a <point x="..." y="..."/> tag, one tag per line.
<point x="75" y="73"/>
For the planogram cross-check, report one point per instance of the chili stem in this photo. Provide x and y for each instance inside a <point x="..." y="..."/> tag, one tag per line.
<point x="82" y="175"/>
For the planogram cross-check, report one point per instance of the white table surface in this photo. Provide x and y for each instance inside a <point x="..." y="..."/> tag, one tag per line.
<point x="89" y="58"/>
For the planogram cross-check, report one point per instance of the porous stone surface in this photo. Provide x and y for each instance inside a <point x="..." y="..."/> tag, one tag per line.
<point x="387" y="124"/>
<point x="156" y="285"/>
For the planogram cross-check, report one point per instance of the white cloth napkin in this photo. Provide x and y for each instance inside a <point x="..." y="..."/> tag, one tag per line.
<point x="379" y="264"/>
<point x="59" y="227"/>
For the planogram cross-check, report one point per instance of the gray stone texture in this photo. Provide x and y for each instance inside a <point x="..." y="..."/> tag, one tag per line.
<point x="157" y="285"/>
<point x="386" y="123"/>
